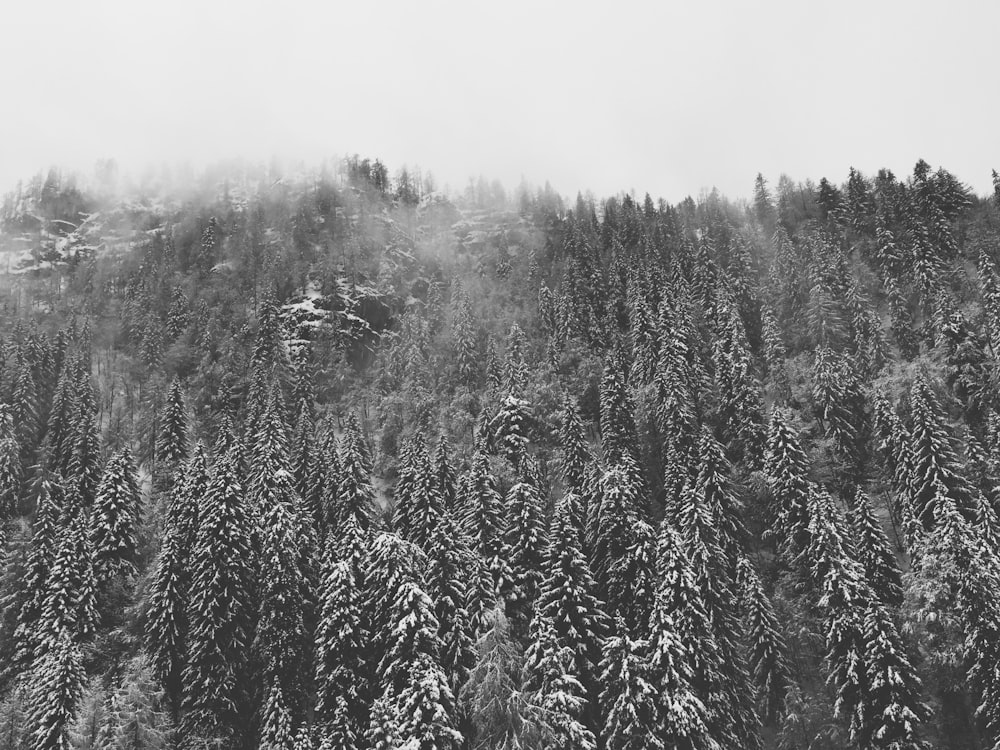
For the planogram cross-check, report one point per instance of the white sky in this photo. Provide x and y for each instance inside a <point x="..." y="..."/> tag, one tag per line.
<point x="667" y="97"/>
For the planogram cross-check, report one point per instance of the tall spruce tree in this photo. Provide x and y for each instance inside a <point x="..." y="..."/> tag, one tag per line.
<point x="220" y="613"/>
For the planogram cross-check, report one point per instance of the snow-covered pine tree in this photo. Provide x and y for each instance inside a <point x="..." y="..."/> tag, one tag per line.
<point x="875" y="552"/>
<point x="172" y="440"/>
<point x="136" y="717"/>
<point x="932" y="459"/>
<point x="445" y="473"/>
<point x="567" y="604"/>
<point x="683" y="604"/>
<point x="683" y="720"/>
<point x="281" y="643"/>
<point x="576" y="454"/>
<point x="787" y="470"/>
<point x="556" y="694"/>
<point x="56" y="686"/>
<point x="892" y="710"/>
<point x="509" y="428"/>
<point x="115" y="520"/>
<point x="525" y="537"/>
<point x="342" y="669"/>
<point x="713" y="576"/>
<point x="844" y="597"/>
<point x="219" y="611"/>
<point x="447" y="584"/>
<point x="356" y="496"/>
<point x="613" y="512"/>
<point x="619" y="441"/>
<point x="629" y="695"/>
<point x="10" y="465"/>
<point x="70" y="603"/>
<point x="169" y="589"/>
<point x="492" y="696"/>
<point x="766" y="644"/>
<point x="482" y="522"/>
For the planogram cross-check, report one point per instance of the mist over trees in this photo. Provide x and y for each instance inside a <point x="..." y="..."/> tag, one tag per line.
<point x="336" y="460"/>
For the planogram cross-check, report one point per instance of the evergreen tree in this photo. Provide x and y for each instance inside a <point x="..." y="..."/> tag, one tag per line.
<point x="115" y="519"/>
<point x="557" y="694"/>
<point x="10" y="465"/>
<point x="567" y="604"/>
<point x="356" y="496"/>
<point x="172" y="440"/>
<point x="70" y="604"/>
<point x="483" y="523"/>
<point x="766" y="653"/>
<point x="844" y="597"/>
<point x="575" y="450"/>
<point x="219" y="612"/>
<point x="629" y="696"/>
<point x="525" y="537"/>
<point x="875" y="553"/>
<point x="445" y="474"/>
<point x="933" y="462"/>
<point x="56" y="688"/>
<point x="892" y="711"/>
<point x="787" y="469"/>
<point x="447" y="562"/>
<point x="683" y="719"/>
<point x="341" y="646"/>
<point x="281" y="640"/>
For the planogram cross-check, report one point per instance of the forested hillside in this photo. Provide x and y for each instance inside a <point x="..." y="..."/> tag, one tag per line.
<point x="335" y="460"/>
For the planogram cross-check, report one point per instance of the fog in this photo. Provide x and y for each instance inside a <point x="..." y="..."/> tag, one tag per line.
<point x="666" y="97"/>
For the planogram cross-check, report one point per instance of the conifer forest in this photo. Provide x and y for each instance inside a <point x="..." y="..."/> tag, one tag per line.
<point x="332" y="459"/>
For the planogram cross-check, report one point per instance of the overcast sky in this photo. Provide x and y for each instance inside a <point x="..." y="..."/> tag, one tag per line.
<point x="666" y="97"/>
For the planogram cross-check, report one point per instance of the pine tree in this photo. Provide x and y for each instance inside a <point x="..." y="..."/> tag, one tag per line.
<point x="172" y="441"/>
<point x="425" y="506"/>
<point x="445" y="474"/>
<point x="786" y="468"/>
<point x="844" y="597"/>
<point x="277" y="728"/>
<point x="576" y="454"/>
<point x="629" y="696"/>
<point x="933" y="460"/>
<point x="557" y="694"/>
<point x="341" y="643"/>
<point x="169" y="590"/>
<point x="115" y="519"/>
<point x="525" y="538"/>
<point x="483" y="523"/>
<point x="464" y="335"/>
<point x="516" y="376"/>
<point x="416" y="704"/>
<point x="567" y="604"/>
<point x="70" y="591"/>
<point x="509" y="428"/>
<point x="356" y="496"/>
<point x="612" y="517"/>
<point x="56" y="688"/>
<point x="875" y="553"/>
<point x="683" y="718"/>
<point x="136" y="719"/>
<point x="711" y="568"/>
<point x="766" y="654"/>
<point x="892" y="711"/>
<point x="447" y="563"/>
<point x="281" y="640"/>
<point x="618" y="432"/>
<point x="219" y="611"/>
<point x="10" y="465"/>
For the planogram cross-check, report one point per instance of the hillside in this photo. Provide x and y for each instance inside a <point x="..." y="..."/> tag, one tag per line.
<point x="335" y="459"/>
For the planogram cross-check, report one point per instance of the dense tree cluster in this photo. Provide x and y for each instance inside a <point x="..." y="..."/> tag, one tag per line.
<point x="343" y="463"/>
